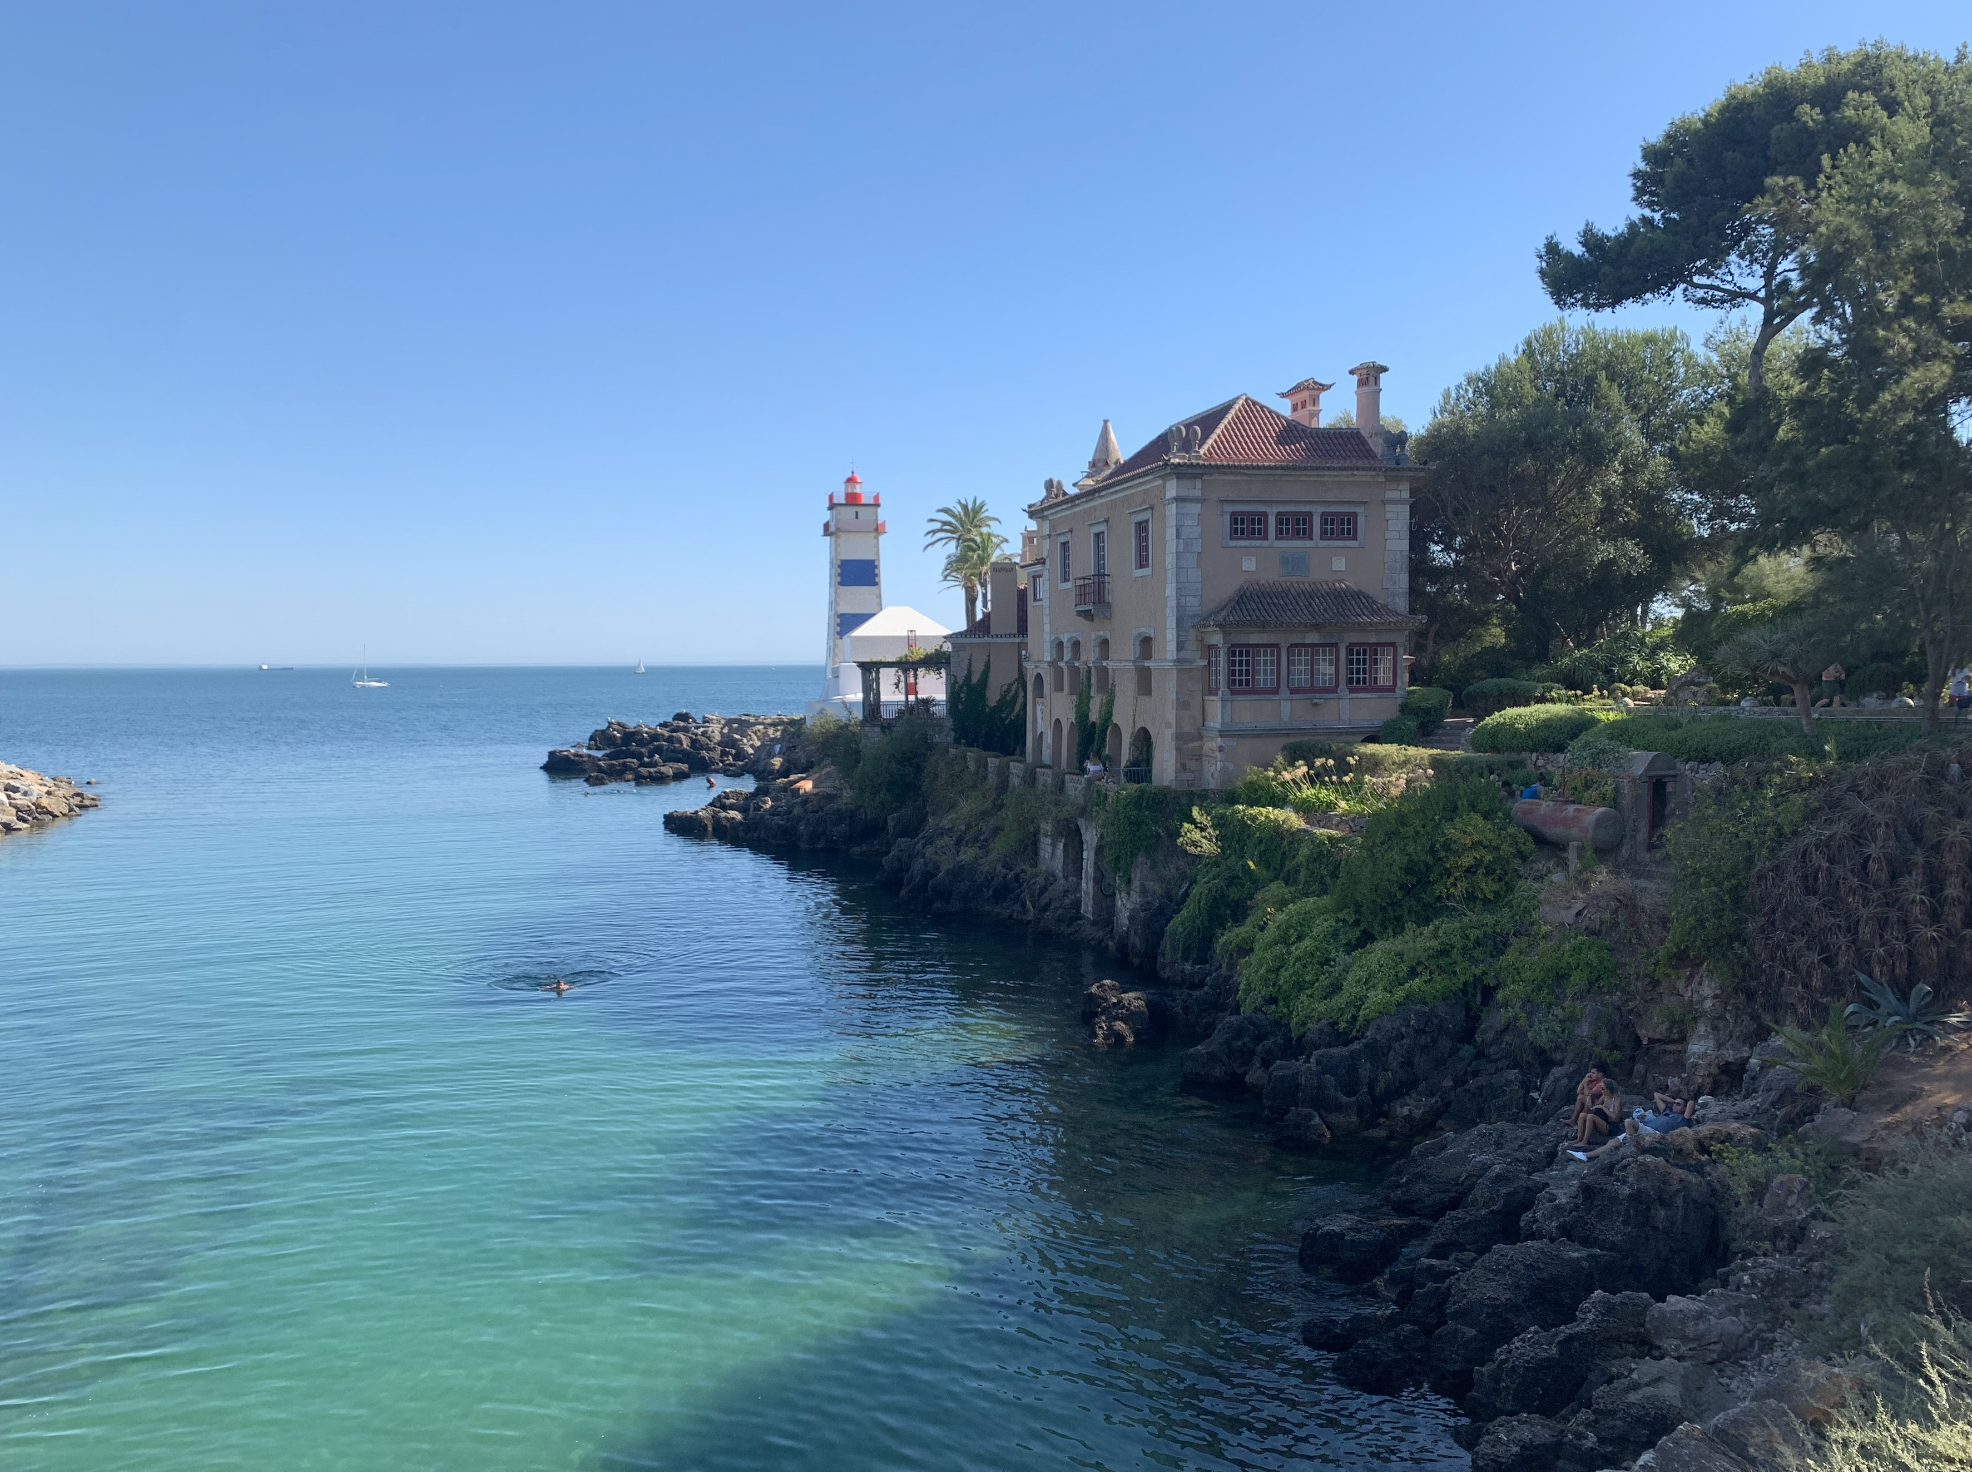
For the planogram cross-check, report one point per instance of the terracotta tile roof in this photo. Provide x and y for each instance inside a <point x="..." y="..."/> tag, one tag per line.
<point x="1298" y="604"/>
<point x="1244" y="431"/>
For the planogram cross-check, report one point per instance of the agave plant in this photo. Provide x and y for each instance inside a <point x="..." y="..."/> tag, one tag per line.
<point x="1911" y="1019"/>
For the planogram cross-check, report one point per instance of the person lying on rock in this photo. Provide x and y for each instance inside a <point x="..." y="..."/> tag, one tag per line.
<point x="1669" y="1114"/>
<point x="1599" y="1119"/>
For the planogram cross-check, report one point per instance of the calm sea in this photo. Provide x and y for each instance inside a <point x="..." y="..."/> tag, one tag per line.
<point x="298" y="1170"/>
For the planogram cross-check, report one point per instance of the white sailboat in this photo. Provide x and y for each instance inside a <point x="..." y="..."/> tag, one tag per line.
<point x="360" y="676"/>
<point x="640" y="666"/>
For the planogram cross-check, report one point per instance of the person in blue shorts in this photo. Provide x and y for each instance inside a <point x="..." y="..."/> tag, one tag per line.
<point x="1666" y="1115"/>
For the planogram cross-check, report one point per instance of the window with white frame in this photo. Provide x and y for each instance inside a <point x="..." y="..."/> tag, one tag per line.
<point x="1294" y="526"/>
<point x="1212" y="668"/>
<point x="1066" y="549"/>
<point x="1247" y="526"/>
<point x="1372" y="666"/>
<point x="1310" y="667"/>
<point x="1253" y="669"/>
<point x="1339" y="526"/>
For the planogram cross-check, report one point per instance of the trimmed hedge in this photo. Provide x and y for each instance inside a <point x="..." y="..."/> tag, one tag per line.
<point x="1532" y="728"/>
<point x="1428" y="706"/>
<point x="1731" y="739"/>
<point x="1399" y="731"/>
<point x="1489" y="697"/>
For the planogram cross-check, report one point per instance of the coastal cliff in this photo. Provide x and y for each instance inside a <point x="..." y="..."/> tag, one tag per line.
<point x="30" y="800"/>
<point x="1677" y="1303"/>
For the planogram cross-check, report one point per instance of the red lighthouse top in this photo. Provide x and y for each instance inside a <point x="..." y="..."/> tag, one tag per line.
<point x="852" y="494"/>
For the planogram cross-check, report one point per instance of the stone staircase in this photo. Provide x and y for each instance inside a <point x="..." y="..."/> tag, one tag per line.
<point x="1454" y="735"/>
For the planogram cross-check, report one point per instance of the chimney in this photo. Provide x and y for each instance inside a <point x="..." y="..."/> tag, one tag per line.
<point x="1304" y="401"/>
<point x="1003" y="598"/>
<point x="1369" y="402"/>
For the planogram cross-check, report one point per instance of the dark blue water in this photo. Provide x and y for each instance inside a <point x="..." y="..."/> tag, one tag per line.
<point x="298" y="1170"/>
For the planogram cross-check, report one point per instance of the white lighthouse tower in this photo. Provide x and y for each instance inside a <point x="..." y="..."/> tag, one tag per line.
<point x="854" y="530"/>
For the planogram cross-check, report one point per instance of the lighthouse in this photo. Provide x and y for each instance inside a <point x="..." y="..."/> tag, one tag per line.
<point x="859" y="626"/>
<point x="855" y="531"/>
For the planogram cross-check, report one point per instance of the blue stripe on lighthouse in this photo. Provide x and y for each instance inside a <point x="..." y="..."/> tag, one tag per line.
<point x="856" y="572"/>
<point x="848" y="623"/>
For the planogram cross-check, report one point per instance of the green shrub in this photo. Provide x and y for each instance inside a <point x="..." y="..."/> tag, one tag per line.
<point x="1925" y="1423"/>
<point x="949" y="783"/>
<point x="1532" y="728"/>
<point x="1428" y="706"/>
<point x="1834" y="1058"/>
<point x="1024" y="812"/>
<point x="1907" y="1250"/>
<point x="1542" y="974"/>
<point x="1593" y="749"/>
<point x="1750" y="1169"/>
<point x="1137" y="818"/>
<point x="1736" y="824"/>
<point x="831" y="741"/>
<point x="1399" y="731"/>
<point x="1447" y="845"/>
<point x="998" y="725"/>
<point x="1242" y="851"/>
<point x="1631" y="657"/>
<point x="1732" y="739"/>
<point x="890" y="776"/>
<point x="1291" y="956"/>
<point x="1489" y="697"/>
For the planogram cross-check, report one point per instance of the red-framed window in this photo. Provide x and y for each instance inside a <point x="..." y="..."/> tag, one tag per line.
<point x="1372" y="666"/>
<point x="1311" y="667"/>
<point x="1339" y="526"/>
<point x="1294" y="526"/>
<point x="1253" y="669"/>
<point x="1140" y="540"/>
<point x="1247" y="526"/>
<point x="1212" y="668"/>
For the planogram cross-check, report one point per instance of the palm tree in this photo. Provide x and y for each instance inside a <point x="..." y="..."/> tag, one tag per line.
<point x="967" y="528"/>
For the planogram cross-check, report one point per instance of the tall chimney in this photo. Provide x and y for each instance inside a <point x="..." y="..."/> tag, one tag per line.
<point x="1304" y="401"/>
<point x="1369" y="401"/>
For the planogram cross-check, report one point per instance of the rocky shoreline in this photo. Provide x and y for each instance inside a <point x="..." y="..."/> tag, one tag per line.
<point x="1635" y="1311"/>
<point x="729" y="746"/>
<point x="31" y="800"/>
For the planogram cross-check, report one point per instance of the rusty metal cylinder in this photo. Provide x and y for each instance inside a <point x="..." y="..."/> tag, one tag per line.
<point x="1564" y="823"/>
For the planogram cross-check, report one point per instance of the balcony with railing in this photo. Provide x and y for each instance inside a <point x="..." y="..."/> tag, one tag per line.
<point x="1092" y="596"/>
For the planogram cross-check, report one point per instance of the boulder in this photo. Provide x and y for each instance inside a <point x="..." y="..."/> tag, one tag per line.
<point x="1664" y="1221"/>
<point x="1631" y="1414"/>
<point x="1122" y="1019"/>
<point x="1439" y="1174"/>
<point x="1385" y="1363"/>
<point x="1495" y="1098"/>
<point x="1696" y="1329"/>
<point x="1765" y="1434"/>
<point x="1527" y="1285"/>
<point x="1689" y="1449"/>
<point x="1519" y="1444"/>
<point x="1811" y="1391"/>
<point x="1543" y="1371"/>
<point x="1352" y="1248"/>
<point x="1224" y="1059"/>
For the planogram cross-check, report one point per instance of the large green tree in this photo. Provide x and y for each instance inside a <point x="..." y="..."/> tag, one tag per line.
<point x="1554" y="489"/>
<point x="1730" y="199"/>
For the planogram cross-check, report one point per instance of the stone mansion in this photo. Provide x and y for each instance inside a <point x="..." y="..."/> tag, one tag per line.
<point x="1240" y="581"/>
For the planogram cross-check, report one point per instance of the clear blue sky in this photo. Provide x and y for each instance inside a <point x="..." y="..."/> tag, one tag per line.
<point x="486" y="332"/>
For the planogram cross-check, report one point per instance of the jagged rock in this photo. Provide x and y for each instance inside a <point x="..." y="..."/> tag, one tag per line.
<point x="1528" y="1285"/>
<point x="1439" y="1174"/>
<point x="1543" y="1371"/>
<point x="1385" y="1363"/>
<point x="1303" y="1127"/>
<point x="1352" y="1248"/>
<point x="1122" y="1019"/>
<point x="1519" y="1444"/>
<point x="1695" y="1329"/>
<point x="1689" y="1449"/>
<point x="1495" y="1098"/>
<point x="1664" y="1221"/>
<point x="1408" y="1056"/>
<point x="1765" y="1434"/>
<point x="1811" y="1391"/>
<point x="1224" y="1059"/>
<point x="1630" y="1414"/>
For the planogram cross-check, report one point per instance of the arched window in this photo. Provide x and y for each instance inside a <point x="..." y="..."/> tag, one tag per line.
<point x="1137" y="767"/>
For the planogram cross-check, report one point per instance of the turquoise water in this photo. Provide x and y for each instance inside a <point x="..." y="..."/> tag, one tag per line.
<point x="298" y="1171"/>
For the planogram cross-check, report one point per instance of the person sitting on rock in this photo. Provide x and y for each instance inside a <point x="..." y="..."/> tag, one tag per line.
<point x="1599" y="1119"/>
<point x="1670" y="1114"/>
<point x="1585" y="1093"/>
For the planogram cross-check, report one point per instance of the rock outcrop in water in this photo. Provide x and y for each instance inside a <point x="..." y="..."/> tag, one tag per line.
<point x="729" y="746"/>
<point x="29" y="800"/>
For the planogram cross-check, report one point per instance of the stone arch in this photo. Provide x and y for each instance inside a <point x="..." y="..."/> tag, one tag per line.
<point x="1137" y="765"/>
<point x="1112" y="756"/>
<point x="1054" y="744"/>
<point x="1071" y="854"/>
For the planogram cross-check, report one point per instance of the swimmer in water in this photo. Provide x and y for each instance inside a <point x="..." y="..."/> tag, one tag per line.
<point x="556" y="985"/>
<point x="711" y="781"/>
